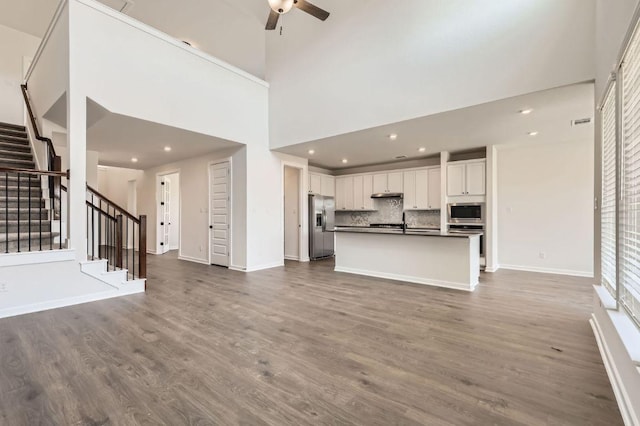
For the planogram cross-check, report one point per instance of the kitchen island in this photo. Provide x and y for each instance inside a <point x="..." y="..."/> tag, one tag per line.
<point x="429" y="257"/>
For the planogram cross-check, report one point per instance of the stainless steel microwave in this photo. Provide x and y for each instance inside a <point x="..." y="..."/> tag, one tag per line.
<point x="466" y="212"/>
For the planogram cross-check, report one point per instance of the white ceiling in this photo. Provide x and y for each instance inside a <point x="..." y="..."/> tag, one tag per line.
<point x="29" y="16"/>
<point x="492" y="123"/>
<point x="119" y="138"/>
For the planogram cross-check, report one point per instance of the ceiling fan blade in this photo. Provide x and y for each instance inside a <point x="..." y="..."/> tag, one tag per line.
<point x="311" y="9"/>
<point x="272" y="21"/>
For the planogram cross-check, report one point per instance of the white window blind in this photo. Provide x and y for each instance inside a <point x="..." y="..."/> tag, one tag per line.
<point x="608" y="198"/>
<point x="629" y="237"/>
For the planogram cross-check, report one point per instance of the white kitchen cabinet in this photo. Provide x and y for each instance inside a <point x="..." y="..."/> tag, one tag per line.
<point x="344" y="193"/>
<point x="466" y="178"/>
<point x="394" y="182"/>
<point x="367" y="190"/>
<point x="419" y="192"/>
<point x="354" y="193"/>
<point x="315" y="183"/>
<point x="322" y="184"/>
<point x="435" y="189"/>
<point x="387" y="182"/>
<point x="475" y="178"/>
<point x="328" y="185"/>
<point x="379" y="183"/>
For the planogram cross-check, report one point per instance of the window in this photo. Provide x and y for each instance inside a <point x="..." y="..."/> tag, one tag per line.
<point x="629" y="163"/>
<point x="608" y="203"/>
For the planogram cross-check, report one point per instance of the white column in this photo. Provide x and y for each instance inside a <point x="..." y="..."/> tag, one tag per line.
<point x="491" y="226"/>
<point x="444" y="200"/>
<point x="77" y="146"/>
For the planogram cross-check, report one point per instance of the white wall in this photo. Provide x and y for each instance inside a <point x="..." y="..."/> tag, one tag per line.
<point x="372" y="63"/>
<point x="194" y="214"/>
<point x="121" y="64"/>
<point x="113" y="183"/>
<point x="14" y="45"/>
<point x="226" y="33"/>
<point x="292" y="224"/>
<point x="545" y="205"/>
<point x="612" y="20"/>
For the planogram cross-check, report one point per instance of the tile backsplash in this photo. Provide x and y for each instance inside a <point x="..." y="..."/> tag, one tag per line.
<point x="389" y="210"/>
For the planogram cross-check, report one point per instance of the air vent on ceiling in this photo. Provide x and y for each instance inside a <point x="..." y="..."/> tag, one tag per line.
<point x="580" y="121"/>
<point x="400" y="157"/>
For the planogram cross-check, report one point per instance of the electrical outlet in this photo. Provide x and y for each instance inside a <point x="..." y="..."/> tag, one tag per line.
<point x="542" y="255"/>
<point x="3" y="288"/>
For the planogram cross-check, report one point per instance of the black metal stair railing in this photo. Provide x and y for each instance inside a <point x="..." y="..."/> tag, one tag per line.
<point x="29" y="221"/>
<point x="116" y="235"/>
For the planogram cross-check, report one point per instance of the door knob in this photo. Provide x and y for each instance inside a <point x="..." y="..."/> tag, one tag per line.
<point x="210" y="226"/>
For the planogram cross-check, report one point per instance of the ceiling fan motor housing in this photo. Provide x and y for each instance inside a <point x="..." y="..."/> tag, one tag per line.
<point x="281" y="6"/>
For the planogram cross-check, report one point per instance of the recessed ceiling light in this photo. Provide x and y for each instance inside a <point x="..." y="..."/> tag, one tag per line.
<point x="345" y="161"/>
<point x="134" y="160"/>
<point x="533" y="133"/>
<point x="393" y="136"/>
<point x="526" y="111"/>
<point x="311" y="152"/>
<point x="422" y="149"/>
<point x="167" y="148"/>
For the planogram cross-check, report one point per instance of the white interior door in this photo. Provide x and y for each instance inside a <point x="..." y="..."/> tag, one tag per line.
<point x="220" y="213"/>
<point x="165" y="204"/>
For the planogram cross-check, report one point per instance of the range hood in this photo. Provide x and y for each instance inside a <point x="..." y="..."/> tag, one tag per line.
<point x="388" y="195"/>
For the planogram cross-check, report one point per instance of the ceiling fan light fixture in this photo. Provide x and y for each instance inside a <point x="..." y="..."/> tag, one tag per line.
<point x="281" y="6"/>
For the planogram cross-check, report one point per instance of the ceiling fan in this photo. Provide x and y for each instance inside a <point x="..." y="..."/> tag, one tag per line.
<point x="280" y="7"/>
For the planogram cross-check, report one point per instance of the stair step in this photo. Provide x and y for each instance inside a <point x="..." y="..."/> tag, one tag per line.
<point x="17" y="164"/>
<point x="25" y="180"/>
<point x="13" y="243"/>
<point x="13" y="213"/>
<point x="14" y="133"/>
<point x="36" y="225"/>
<point x="12" y="127"/>
<point x="24" y="192"/>
<point x="16" y="155"/>
<point x="15" y="140"/>
<point x="15" y="147"/>
<point x="24" y="202"/>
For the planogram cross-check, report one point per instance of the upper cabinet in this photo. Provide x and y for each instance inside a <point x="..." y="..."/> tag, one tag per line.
<point x="354" y="193"/>
<point x="322" y="184"/>
<point x="422" y="189"/>
<point x="466" y="178"/>
<point x="387" y="182"/>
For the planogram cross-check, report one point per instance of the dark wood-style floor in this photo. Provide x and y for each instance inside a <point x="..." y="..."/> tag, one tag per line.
<point x="304" y="345"/>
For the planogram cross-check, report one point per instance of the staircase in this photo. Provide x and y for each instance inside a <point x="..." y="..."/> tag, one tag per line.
<point x="25" y="214"/>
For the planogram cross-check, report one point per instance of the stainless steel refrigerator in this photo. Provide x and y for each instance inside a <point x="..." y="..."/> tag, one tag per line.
<point x="322" y="214"/>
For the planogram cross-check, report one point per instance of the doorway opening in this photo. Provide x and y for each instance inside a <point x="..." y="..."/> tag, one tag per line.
<point x="292" y="213"/>
<point x="168" y="218"/>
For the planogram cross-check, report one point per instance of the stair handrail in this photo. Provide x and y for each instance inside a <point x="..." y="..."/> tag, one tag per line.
<point x="118" y="213"/>
<point x="121" y="210"/>
<point x="54" y="165"/>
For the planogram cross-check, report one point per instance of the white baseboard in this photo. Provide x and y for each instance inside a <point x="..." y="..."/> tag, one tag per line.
<point x="296" y="258"/>
<point x="305" y="259"/>
<point x="625" y="403"/>
<point x="151" y="252"/>
<point x="569" y="272"/>
<point x="61" y="303"/>
<point x="33" y="257"/>
<point x="237" y="268"/>
<point x="410" y="279"/>
<point x="194" y="259"/>
<point x="265" y="266"/>
<point x="492" y="270"/>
